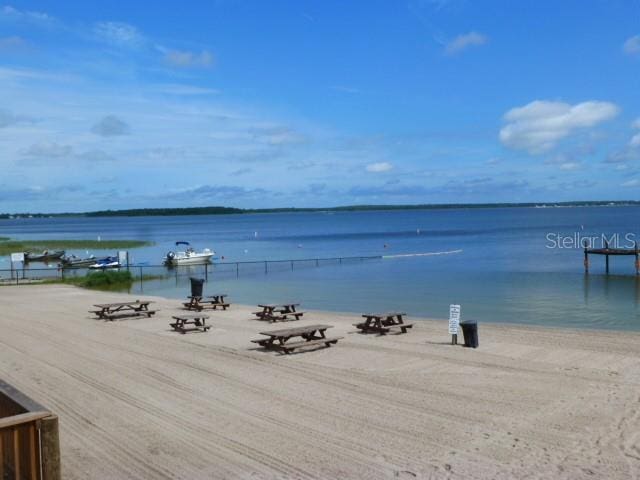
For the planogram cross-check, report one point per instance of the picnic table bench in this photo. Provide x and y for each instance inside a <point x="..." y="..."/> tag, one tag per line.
<point x="198" y="320"/>
<point x="311" y="335"/>
<point x="383" y="322"/>
<point x="112" y="311"/>
<point x="199" y="303"/>
<point x="274" y="312"/>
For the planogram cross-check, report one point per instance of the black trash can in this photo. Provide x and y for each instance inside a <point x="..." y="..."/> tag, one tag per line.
<point x="470" y="331"/>
<point x="196" y="286"/>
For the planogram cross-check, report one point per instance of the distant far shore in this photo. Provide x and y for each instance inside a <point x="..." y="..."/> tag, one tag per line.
<point x="148" y="212"/>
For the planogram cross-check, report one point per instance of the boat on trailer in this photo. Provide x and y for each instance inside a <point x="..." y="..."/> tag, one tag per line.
<point x="44" y="256"/>
<point x="72" y="261"/>
<point x="189" y="256"/>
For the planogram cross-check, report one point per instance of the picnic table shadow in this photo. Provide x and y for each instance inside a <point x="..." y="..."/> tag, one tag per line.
<point x="280" y="353"/>
<point x="373" y="333"/>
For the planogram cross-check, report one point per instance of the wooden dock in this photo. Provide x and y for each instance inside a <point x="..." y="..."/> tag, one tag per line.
<point x="607" y="252"/>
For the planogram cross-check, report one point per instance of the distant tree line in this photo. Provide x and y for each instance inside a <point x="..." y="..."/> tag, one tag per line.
<point x="140" y="212"/>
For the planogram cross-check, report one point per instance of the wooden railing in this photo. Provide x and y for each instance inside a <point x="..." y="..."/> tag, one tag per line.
<point x="29" y="445"/>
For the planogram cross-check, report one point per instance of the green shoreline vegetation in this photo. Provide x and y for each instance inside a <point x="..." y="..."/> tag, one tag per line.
<point x="8" y="246"/>
<point x="110" y="280"/>
<point x="214" y="210"/>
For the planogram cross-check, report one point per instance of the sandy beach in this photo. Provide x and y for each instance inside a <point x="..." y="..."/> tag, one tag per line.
<point x="139" y="401"/>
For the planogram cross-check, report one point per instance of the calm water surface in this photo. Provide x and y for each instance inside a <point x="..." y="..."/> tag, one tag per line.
<point x="502" y="271"/>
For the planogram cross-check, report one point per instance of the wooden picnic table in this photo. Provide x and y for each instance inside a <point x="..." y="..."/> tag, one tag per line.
<point x="199" y="303"/>
<point x="111" y="311"/>
<point x="274" y="312"/>
<point x="311" y="335"/>
<point x="198" y="320"/>
<point x="383" y="322"/>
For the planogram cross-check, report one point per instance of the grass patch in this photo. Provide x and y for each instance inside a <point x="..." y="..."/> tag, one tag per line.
<point x="8" y="246"/>
<point x="112" y="280"/>
<point x="107" y="280"/>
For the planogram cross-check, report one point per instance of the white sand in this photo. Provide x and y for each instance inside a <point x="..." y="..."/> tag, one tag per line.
<point x="138" y="401"/>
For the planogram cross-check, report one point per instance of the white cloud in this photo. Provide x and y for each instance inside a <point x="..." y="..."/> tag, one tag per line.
<point x="180" y="89"/>
<point x="12" y="13"/>
<point x="49" y="149"/>
<point x="631" y="183"/>
<point x="187" y="59"/>
<point x="379" y="167"/>
<point x="564" y="162"/>
<point x="8" y="118"/>
<point x="110" y="126"/>
<point x="119" y="33"/>
<point x="463" y="42"/>
<point x="635" y="140"/>
<point x="276" y="135"/>
<point x="540" y="125"/>
<point x="632" y="45"/>
<point x="12" y="43"/>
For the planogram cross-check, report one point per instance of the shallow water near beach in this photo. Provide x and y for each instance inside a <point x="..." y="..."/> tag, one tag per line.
<point x="496" y="263"/>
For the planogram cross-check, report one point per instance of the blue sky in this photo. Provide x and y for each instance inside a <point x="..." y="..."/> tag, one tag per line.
<point x="295" y="103"/>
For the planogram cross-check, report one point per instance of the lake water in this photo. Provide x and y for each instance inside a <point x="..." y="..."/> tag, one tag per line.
<point x="500" y="267"/>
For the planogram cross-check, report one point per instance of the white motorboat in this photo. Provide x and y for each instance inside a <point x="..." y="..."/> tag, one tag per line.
<point x="189" y="256"/>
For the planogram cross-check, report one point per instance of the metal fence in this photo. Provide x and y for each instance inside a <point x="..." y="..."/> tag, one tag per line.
<point x="141" y="272"/>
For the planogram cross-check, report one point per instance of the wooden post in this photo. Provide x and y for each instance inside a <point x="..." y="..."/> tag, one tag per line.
<point x="454" y="339"/>
<point x="16" y="452"/>
<point x="33" y="452"/>
<point x="1" y="458"/>
<point x="586" y="258"/>
<point x="50" y="447"/>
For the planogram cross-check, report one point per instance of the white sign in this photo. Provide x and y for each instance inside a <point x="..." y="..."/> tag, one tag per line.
<point x="454" y="319"/>
<point x="17" y="257"/>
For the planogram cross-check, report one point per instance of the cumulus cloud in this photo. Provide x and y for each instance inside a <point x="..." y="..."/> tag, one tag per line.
<point x="7" y="118"/>
<point x="187" y="59"/>
<point x="110" y="126"/>
<point x="631" y="183"/>
<point x="463" y="42"/>
<point x="540" y="125"/>
<point x="219" y="192"/>
<point x="12" y="43"/>
<point x="623" y="156"/>
<point x="632" y="45"/>
<point x="635" y="140"/>
<point x="564" y="162"/>
<point x="378" y="167"/>
<point x="49" y="150"/>
<point x="276" y="135"/>
<point x="11" y="13"/>
<point x="119" y="33"/>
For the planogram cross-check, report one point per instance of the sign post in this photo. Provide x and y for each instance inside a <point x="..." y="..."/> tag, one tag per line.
<point x="454" y="323"/>
<point x="17" y="258"/>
